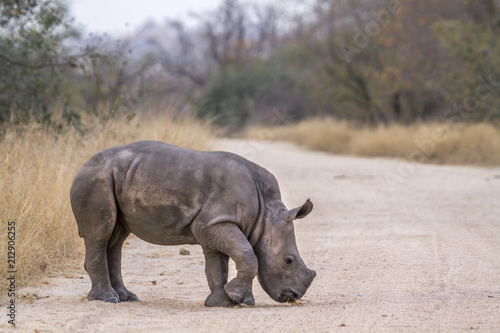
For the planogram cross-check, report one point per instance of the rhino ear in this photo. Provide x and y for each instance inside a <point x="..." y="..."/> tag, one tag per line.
<point x="299" y="212"/>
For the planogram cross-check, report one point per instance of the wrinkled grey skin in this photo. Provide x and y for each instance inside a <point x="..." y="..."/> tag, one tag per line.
<point x="170" y="195"/>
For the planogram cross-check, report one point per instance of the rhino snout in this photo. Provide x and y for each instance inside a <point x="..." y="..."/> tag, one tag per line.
<point x="289" y="295"/>
<point x="293" y="294"/>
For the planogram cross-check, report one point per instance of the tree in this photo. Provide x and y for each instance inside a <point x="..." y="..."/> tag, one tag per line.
<point x="476" y="46"/>
<point x="32" y="56"/>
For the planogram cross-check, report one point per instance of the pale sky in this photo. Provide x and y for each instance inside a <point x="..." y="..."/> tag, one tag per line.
<point x="124" y="16"/>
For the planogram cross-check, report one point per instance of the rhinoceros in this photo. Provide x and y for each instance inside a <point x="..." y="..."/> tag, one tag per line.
<point x="170" y="195"/>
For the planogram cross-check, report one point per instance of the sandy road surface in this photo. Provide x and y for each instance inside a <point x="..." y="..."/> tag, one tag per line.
<point x="418" y="253"/>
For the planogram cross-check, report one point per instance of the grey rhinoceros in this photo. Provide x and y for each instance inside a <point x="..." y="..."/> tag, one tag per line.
<point x="171" y="195"/>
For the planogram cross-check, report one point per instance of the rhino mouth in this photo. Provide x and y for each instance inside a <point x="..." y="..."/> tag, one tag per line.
<point x="293" y="294"/>
<point x="289" y="295"/>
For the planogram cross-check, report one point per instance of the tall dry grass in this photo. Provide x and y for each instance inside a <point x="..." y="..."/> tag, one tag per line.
<point x="38" y="165"/>
<point x="442" y="143"/>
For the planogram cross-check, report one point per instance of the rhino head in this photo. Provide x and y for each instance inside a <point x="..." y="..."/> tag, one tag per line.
<point x="282" y="273"/>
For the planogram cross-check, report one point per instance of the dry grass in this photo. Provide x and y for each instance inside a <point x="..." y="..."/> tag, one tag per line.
<point x="38" y="165"/>
<point x="473" y="144"/>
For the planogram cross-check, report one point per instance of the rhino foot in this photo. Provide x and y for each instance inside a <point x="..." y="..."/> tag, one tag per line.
<point x="111" y="300"/>
<point x="126" y="295"/>
<point x="240" y="292"/>
<point x="106" y="295"/>
<point x="219" y="299"/>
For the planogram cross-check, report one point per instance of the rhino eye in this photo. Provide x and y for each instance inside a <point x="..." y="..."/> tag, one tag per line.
<point x="289" y="261"/>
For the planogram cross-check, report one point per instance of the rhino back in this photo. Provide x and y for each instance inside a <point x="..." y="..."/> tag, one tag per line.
<point x="161" y="189"/>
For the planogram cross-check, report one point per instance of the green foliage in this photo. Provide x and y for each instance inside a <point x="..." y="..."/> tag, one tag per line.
<point x="239" y="92"/>
<point x="476" y="95"/>
<point x="230" y="95"/>
<point x="43" y="62"/>
<point x="274" y="90"/>
<point x="423" y="61"/>
<point x="32" y="58"/>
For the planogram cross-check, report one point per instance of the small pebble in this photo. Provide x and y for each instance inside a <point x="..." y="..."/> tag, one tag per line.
<point x="184" y="252"/>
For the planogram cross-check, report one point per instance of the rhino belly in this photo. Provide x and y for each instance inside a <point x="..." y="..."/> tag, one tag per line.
<point x="163" y="225"/>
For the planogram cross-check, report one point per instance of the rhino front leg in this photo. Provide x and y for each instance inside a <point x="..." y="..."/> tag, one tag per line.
<point x="216" y="270"/>
<point x="228" y="239"/>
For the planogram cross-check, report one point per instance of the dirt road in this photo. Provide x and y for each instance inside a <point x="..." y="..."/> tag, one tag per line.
<point x="395" y="247"/>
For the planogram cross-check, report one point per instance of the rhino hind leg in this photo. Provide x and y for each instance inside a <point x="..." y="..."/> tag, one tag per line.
<point x="114" y="258"/>
<point x="94" y="207"/>
<point x="228" y="239"/>
<point x="216" y="269"/>
<point x="96" y="266"/>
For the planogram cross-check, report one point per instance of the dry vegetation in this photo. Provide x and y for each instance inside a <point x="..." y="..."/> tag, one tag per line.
<point x="38" y="165"/>
<point x="474" y="144"/>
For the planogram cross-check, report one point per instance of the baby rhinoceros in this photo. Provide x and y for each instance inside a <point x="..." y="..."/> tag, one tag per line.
<point x="170" y="195"/>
